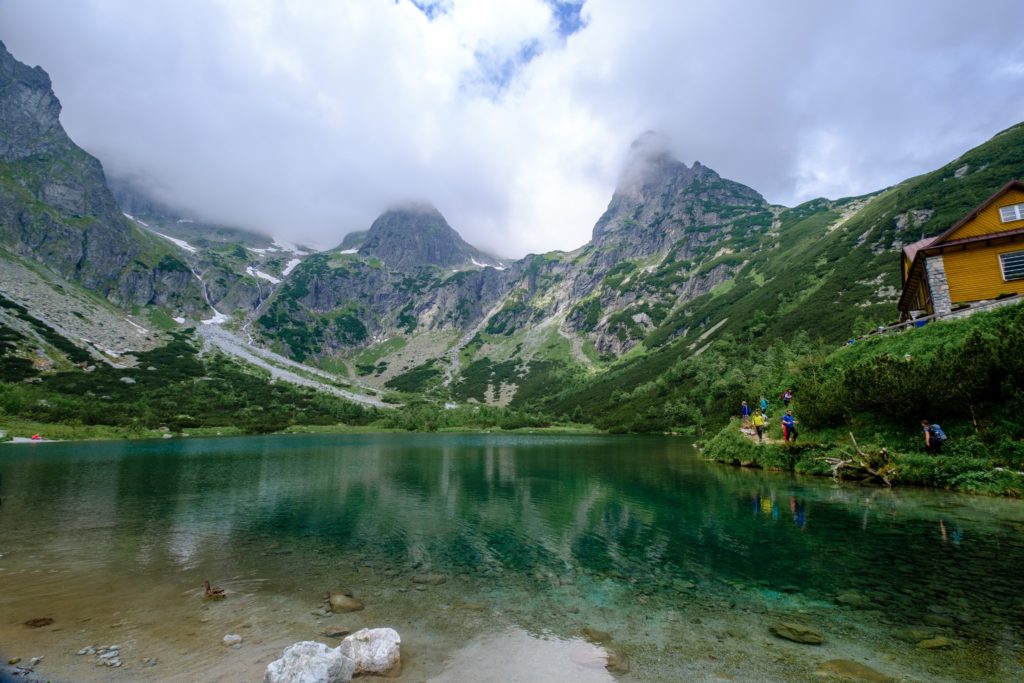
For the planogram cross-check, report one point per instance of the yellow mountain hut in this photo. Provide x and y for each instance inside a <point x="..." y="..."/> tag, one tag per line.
<point x="980" y="258"/>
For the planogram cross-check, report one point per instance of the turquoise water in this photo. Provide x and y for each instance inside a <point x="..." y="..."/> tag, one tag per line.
<point x="683" y="565"/>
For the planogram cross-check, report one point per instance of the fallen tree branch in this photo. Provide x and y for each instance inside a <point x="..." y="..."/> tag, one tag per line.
<point x="863" y="465"/>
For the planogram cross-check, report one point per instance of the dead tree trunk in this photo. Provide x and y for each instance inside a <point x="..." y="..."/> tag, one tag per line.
<point x="863" y="466"/>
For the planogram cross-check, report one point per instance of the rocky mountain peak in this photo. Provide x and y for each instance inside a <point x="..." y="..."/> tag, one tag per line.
<point x="56" y="209"/>
<point x="28" y="108"/>
<point x="414" y="235"/>
<point x="656" y="190"/>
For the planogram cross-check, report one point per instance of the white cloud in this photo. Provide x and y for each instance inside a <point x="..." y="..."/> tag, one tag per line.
<point x="307" y="119"/>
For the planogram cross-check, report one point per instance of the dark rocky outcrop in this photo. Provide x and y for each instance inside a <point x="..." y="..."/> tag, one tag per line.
<point x="337" y="301"/>
<point x="660" y="200"/>
<point x="55" y="207"/>
<point x="412" y="272"/>
<point x="410" y="237"/>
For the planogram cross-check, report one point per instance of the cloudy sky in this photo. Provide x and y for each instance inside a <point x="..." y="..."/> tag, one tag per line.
<point x="307" y="118"/>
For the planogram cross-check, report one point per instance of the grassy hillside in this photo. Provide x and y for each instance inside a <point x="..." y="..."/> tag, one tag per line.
<point x="828" y="269"/>
<point x="172" y="387"/>
<point x="967" y="375"/>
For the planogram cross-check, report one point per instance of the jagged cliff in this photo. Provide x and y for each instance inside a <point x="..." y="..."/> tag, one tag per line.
<point x="661" y="242"/>
<point x="415" y="236"/>
<point x="410" y="273"/>
<point x="680" y="258"/>
<point x="55" y="207"/>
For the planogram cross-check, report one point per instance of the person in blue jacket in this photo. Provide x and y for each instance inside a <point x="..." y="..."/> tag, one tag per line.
<point x="934" y="437"/>
<point x="789" y="433"/>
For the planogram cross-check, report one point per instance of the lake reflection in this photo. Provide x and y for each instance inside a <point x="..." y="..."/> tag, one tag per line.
<point x="684" y="564"/>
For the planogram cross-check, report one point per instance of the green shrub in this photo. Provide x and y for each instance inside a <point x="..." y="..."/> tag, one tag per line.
<point x="732" y="446"/>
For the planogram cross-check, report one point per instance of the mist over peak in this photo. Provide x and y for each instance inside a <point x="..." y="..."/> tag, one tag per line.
<point x="516" y="117"/>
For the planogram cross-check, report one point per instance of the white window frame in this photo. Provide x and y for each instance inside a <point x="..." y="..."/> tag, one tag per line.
<point x="1019" y="274"/>
<point x="1013" y="212"/>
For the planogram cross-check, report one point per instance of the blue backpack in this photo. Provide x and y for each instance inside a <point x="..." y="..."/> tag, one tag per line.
<point x="937" y="432"/>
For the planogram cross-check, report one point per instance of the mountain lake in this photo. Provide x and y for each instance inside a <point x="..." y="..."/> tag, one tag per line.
<point x="496" y="558"/>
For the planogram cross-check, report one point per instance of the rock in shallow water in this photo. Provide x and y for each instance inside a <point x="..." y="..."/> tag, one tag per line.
<point x="912" y="634"/>
<point x="617" y="661"/>
<point x="938" y="643"/>
<point x="796" y="632"/>
<point x="939" y="620"/>
<point x="852" y="599"/>
<point x="430" y="579"/>
<point x="334" y="631"/>
<point x="340" y="602"/>
<point x="596" y="635"/>
<point x="851" y="671"/>
<point x="310" y="662"/>
<point x="374" y="650"/>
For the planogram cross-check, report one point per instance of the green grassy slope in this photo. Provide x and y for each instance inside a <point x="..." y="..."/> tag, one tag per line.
<point x="819" y="281"/>
<point x="171" y="387"/>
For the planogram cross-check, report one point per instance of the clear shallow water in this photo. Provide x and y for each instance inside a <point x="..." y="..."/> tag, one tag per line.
<point x="683" y="565"/>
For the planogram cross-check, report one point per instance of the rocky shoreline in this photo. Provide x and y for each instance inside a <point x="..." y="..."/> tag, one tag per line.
<point x="15" y="673"/>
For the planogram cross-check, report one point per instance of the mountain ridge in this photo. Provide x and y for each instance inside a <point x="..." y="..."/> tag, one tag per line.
<point x="413" y="235"/>
<point x="55" y="206"/>
<point x="682" y="262"/>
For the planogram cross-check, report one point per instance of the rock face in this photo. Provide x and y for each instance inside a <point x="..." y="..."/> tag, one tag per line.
<point x="55" y="207"/>
<point x="416" y="235"/>
<point x="659" y="198"/>
<point x="375" y="651"/>
<point x="337" y="301"/>
<point x="310" y="662"/>
<point x="398" y="278"/>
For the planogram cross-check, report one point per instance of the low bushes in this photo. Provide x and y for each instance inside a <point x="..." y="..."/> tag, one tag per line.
<point x="962" y="469"/>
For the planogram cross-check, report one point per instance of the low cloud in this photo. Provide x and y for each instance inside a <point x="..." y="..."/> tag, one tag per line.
<point x="306" y="119"/>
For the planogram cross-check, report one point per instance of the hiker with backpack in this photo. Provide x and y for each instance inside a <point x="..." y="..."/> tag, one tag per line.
<point x="934" y="437"/>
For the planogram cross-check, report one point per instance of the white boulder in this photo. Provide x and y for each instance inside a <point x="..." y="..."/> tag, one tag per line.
<point x="375" y="650"/>
<point x="310" y="662"/>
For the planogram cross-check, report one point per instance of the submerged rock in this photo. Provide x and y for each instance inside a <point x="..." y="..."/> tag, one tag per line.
<point x="796" y="633"/>
<point x="310" y="662"/>
<point x="334" y="631"/>
<point x="938" y="643"/>
<point x="596" y="636"/>
<point x="343" y="602"/>
<point x="851" y="599"/>
<point x="912" y="634"/>
<point x="430" y="579"/>
<point x="232" y="639"/>
<point x="851" y="671"/>
<point x="374" y="650"/>
<point x="617" y="662"/>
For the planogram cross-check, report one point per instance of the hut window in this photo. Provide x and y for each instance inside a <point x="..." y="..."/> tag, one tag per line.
<point x="1012" y="265"/>
<point x="1014" y="212"/>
